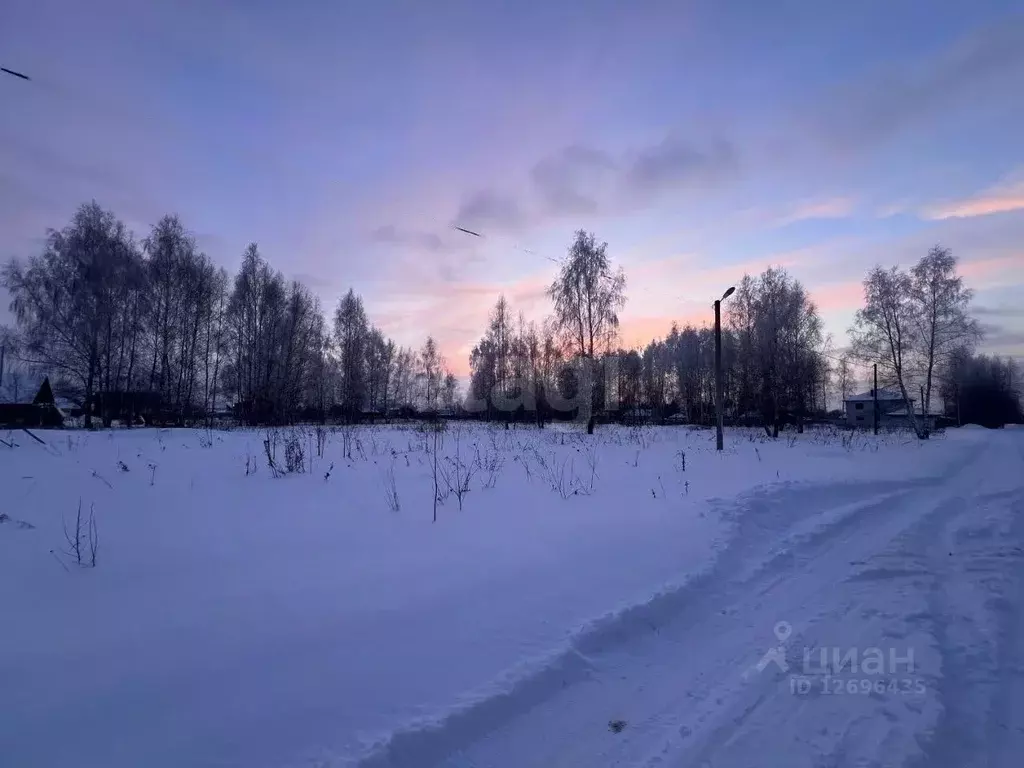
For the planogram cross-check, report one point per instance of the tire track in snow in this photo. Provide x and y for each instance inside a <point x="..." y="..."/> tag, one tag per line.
<point x="753" y="552"/>
<point x="977" y="612"/>
<point x="954" y="561"/>
<point x="754" y="564"/>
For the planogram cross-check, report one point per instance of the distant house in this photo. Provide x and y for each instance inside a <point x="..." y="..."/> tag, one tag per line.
<point x="860" y="409"/>
<point x="133" y="407"/>
<point x="41" y="412"/>
<point x="893" y="410"/>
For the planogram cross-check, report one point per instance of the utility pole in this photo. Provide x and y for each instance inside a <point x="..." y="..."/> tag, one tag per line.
<point x="3" y="352"/>
<point x="719" y="405"/>
<point x="719" y="417"/>
<point x="874" y="397"/>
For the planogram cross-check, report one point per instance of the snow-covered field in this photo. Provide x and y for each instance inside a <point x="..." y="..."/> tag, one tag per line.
<point x="596" y="601"/>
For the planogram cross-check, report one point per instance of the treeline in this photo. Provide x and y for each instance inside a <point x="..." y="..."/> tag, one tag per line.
<point x="978" y="389"/>
<point x="777" y="368"/>
<point x="153" y="326"/>
<point x="123" y="327"/>
<point x="773" y="361"/>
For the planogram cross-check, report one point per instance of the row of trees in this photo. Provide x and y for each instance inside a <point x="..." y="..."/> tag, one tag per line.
<point x="981" y="390"/>
<point x="774" y="365"/>
<point x="516" y="367"/>
<point x="117" y="323"/>
<point x="114" y="321"/>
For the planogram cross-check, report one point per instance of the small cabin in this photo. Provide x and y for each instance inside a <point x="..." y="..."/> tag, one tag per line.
<point x="41" y="412"/>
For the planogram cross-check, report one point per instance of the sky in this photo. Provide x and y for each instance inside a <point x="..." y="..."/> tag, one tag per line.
<point x="701" y="140"/>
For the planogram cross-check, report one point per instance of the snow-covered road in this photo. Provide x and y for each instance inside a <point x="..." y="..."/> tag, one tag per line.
<point x="846" y="624"/>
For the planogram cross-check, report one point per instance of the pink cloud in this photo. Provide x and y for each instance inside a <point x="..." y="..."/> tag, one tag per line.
<point x="999" y="267"/>
<point x="1002" y="198"/>
<point x="833" y="208"/>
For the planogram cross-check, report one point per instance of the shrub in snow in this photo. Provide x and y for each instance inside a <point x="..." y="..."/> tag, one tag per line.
<point x="321" y="440"/>
<point x="490" y="464"/>
<point x="847" y="440"/>
<point x="83" y="540"/>
<point x="433" y="441"/>
<point x="270" y="441"/>
<point x="269" y="452"/>
<point x="562" y="477"/>
<point x="455" y="473"/>
<point x="294" y="457"/>
<point x="638" y="435"/>
<point x="524" y="460"/>
<point x="391" y="489"/>
<point x="590" y="454"/>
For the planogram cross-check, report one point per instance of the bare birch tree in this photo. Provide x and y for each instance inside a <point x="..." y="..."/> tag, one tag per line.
<point x="351" y="332"/>
<point x="884" y="330"/>
<point x="843" y="376"/>
<point x="943" y="324"/>
<point x="587" y="295"/>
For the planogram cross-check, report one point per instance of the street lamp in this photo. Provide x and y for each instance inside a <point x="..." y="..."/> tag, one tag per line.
<point x="719" y="408"/>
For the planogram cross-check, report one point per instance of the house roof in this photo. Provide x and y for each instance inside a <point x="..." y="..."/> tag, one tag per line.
<point x="883" y="394"/>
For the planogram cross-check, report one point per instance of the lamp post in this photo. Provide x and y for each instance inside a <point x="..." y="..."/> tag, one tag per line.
<point x="719" y="406"/>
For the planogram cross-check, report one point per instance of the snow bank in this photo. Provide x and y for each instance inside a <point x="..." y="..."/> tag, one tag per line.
<point x="235" y="618"/>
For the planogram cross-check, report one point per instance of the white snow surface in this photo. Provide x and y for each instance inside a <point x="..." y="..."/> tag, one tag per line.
<point x="239" y="619"/>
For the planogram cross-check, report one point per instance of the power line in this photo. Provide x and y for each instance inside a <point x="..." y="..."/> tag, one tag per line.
<point x="15" y="74"/>
<point x="513" y="246"/>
